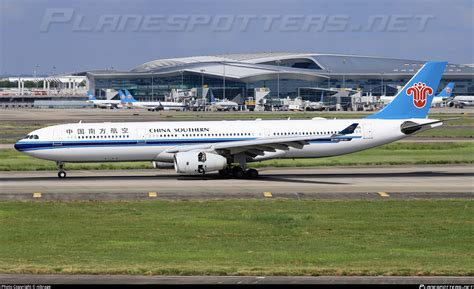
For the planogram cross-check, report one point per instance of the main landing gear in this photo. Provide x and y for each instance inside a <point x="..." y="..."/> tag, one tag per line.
<point x="239" y="173"/>
<point x="61" y="172"/>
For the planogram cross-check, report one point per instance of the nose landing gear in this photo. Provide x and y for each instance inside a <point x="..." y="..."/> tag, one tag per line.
<point x="61" y="172"/>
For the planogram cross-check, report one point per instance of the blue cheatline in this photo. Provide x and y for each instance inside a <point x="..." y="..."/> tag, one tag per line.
<point x="414" y="99"/>
<point x="43" y="145"/>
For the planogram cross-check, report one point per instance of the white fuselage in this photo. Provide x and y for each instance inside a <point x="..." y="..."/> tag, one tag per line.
<point x="149" y="141"/>
<point x="105" y="103"/>
<point x="436" y="100"/>
<point x="225" y="105"/>
<point x="158" y="105"/>
<point x="464" y="100"/>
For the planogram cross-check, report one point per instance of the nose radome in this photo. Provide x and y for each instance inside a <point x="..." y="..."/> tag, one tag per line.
<point x="17" y="146"/>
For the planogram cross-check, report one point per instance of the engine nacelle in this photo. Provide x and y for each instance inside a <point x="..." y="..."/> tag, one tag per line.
<point x="162" y="165"/>
<point x="194" y="163"/>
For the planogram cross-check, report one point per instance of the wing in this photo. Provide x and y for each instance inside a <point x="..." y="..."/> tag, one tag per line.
<point x="259" y="146"/>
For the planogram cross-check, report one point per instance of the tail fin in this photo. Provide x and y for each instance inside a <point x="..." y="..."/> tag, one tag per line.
<point x="122" y="97"/>
<point x="213" y="99"/>
<point x="129" y="97"/>
<point x="90" y="95"/>
<point x="414" y="100"/>
<point x="447" y="91"/>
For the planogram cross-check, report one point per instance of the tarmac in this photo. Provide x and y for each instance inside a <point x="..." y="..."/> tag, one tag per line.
<point x="130" y="279"/>
<point x="396" y="182"/>
<point x="56" y="116"/>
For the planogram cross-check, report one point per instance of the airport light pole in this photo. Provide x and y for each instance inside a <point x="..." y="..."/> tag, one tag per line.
<point x="202" y="82"/>
<point x="382" y="89"/>
<point x="52" y="74"/>
<point x="34" y="74"/>
<point x="343" y="73"/>
<point x="182" y="78"/>
<point x="152" y="91"/>
<point x="223" y="84"/>
<point x="278" y="79"/>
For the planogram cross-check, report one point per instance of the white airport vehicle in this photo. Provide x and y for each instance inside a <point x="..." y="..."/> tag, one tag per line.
<point x="130" y="101"/>
<point x="199" y="147"/>
<point x="443" y="96"/>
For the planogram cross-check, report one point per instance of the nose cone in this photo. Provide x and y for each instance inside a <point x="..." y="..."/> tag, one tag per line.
<point x="17" y="146"/>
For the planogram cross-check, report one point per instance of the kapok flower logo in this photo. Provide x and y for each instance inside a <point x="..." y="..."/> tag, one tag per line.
<point x="420" y="93"/>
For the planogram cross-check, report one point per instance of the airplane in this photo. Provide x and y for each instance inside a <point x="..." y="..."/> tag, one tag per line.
<point x="223" y="105"/>
<point x="226" y="147"/>
<point x="460" y="101"/>
<point x="320" y="105"/>
<point x="316" y="105"/>
<point x="152" y="105"/>
<point x="105" y="103"/>
<point x="444" y="95"/>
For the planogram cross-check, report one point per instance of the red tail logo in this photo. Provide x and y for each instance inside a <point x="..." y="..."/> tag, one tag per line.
<point x="420" y="93"/>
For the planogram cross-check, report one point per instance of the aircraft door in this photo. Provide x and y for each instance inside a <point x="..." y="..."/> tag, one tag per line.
<point x="57" y="138"/>
<point x="367" y="131"/>
<point x="141" y="136"/>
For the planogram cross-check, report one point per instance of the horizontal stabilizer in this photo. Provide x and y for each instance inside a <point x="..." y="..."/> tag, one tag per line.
<point x="348" y="130"/>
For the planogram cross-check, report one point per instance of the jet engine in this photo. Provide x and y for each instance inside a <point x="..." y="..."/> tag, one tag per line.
<point x="194" y="163"/>
<point x="162" y="165"/>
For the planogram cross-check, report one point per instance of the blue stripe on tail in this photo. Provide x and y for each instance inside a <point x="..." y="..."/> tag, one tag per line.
<point x="414" y="100"/>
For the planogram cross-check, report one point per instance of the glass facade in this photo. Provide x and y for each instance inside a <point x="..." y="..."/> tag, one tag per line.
<point x="151" y="88"/>
<point x="352" y="73"/>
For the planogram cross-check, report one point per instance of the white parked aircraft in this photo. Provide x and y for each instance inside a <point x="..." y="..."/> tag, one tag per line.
<point x="106" y="103"/>
<point x="198" y="147"/>
<point x="460" y="101"/>
<point x="130" y="101"/>
<point x="223" y="105"/>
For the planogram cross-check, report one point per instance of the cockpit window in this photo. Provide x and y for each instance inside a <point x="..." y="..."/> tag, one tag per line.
<point x="30" y="136"/>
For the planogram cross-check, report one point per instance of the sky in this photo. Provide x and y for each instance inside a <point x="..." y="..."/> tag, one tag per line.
<point x="59" y="36"/>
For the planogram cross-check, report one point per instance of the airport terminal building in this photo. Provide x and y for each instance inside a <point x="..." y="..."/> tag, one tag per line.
<point x="283" y="74"/>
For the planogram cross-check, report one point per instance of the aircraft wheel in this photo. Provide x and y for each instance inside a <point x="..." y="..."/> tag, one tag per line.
<point x="225" y="172"/>
<point x="252" y="173"/>
<point x="238" y="172"/>
<point x="61" y="174"/>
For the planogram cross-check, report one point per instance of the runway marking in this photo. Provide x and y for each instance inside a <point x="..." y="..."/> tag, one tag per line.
<point x="37" y="195"/>
<point x="152" y="194"/>
<point x="383" y="194"/>
<point x="267" y="194"/>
